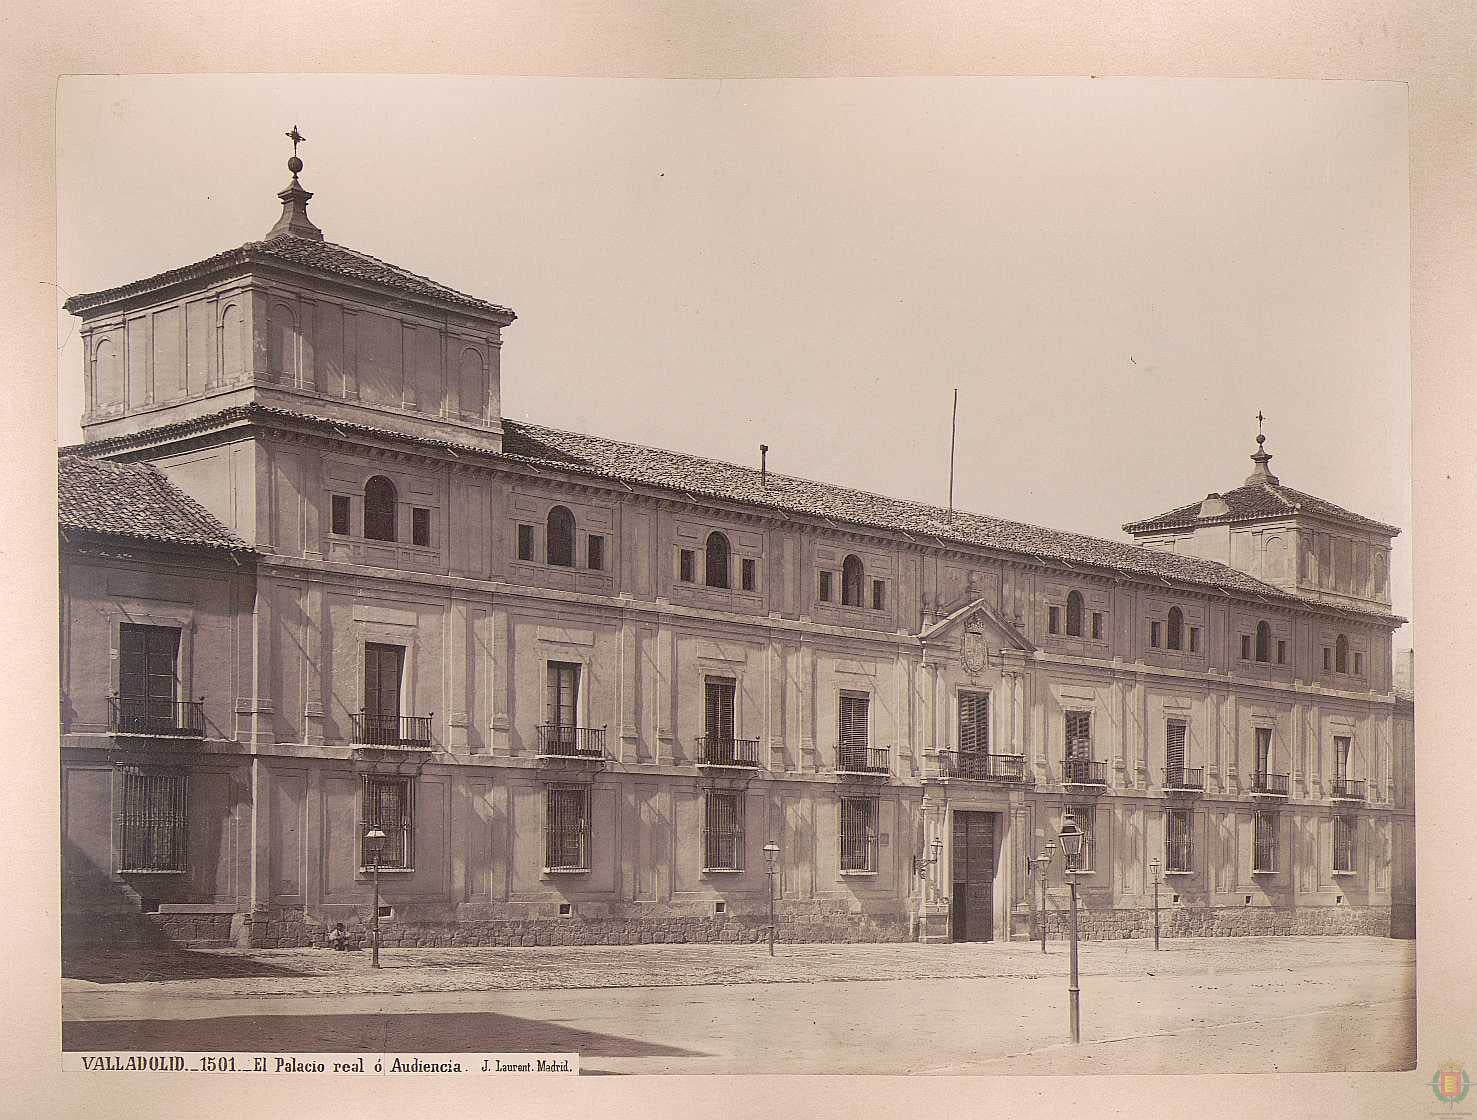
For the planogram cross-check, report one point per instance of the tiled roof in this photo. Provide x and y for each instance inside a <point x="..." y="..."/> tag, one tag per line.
<point x="318" y="256"/>
<point x="700" y="478"/>
<point x="136" y="501"/>
<point x="1253" y="501"/>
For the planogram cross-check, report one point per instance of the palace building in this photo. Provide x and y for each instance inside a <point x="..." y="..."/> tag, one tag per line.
<point x="314" y="582"/>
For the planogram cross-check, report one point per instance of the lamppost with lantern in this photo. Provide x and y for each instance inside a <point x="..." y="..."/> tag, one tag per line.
<point x="1072" y="837"/>
<point x="1154" y="877"/>
<point x="374" y="841"/>
<point x="1039" y="865"/>
<point x="771" y="852"/>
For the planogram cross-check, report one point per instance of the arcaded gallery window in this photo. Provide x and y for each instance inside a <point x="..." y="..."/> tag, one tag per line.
<point x="1263" y="642"/>
<point x="1175" y="629"/>
<point x="154" y="825"/>
<point x="715" y="560"/>
<point x="851" y="582"/>
<point x="1341" y="655"/>
<point x="858" y="834"/>
<point x="559" y="538"/>
<point x="567" y="829"/>
<point x="723" y="838"/>
<point x="1074" y="614"/>
<point x="388" y="800"/>
<point x="379" y="509"/>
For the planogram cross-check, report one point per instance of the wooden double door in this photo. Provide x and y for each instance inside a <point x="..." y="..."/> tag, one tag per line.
<point x="972" y="905"/>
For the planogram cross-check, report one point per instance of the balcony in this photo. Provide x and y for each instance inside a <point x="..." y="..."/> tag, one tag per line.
<point x="1184" y="780"/>
<point x="175" y="719"/>
<point x="725" y="751"/>
<point x="408" y="732"/>
<point x="976" y="766"/>
<point x="557" y="741"/>
<point x="1268" y="785"/>
<point x="872" y="762"/>
<point x="1346" y="789"/>
<point x="1084" y="773"/>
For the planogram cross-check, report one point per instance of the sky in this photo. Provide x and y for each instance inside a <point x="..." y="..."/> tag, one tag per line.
<point x="1116" y="274"/>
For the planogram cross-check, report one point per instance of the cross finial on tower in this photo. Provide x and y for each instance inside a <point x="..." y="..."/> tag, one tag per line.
<point x="294" y="221"/>
<point x="1259" y="419"/>
<point x="1261" y="457"/>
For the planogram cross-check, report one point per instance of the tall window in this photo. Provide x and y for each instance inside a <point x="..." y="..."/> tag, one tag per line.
<point x="559" y="538"/>
<point x="379" y="509"/>
<point x="155" y="826"/>
<point x="1263" y="756"/>
<point x="1082" y="814"/>
<point x="1194" y="639"/>
<point x="686" y="562"/>
<point x="853" y="733"/>
<point x="1079" y="734"/>
<point x="595" y="553"/>
<point x="1053" y="620"/>
<point x="1341" y="747"/>
<point x="825" y="587"/>
<point x="719" y="694"/>
<point x="723" y="837"/>
<point x="750" y="574"/>
<point x="1263" y="642"/>
<point x="858" y="834"/>
<point x="1264" y="841"/>
<point x="1178" y="855"/>
<point x="1174" y="752"/>
<point x="1097" y="626"/>
<point x="879" y="601"/>
<point x="148" y="681"/>
<point x="715" y="561"/>
<point x="567" y="829"/>
<point x="974" y="723"/>
<point x="525" y="542"/>
<point x="1176" y="628"/>
<point x="1154" y="634"/>
<point x="420" y="526"/>
<point x="1341" y="655"/>
<point x="561" y="712"/>
<point x="384" y="668"/>
<point x="851" y="582"/>
<point x="1345" y="831"/>
<point x="387" y="806"/>
<point x="1074" y="614"/>
<point x="339" y="515"/>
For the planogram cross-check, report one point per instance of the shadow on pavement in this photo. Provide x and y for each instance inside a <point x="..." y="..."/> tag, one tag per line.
<point x="124" y="966"/>
<point x="429" y="1033"/>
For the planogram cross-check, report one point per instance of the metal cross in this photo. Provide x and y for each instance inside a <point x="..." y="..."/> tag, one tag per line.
<point x="1259" y="416"/>
<point x="296" y="137"/>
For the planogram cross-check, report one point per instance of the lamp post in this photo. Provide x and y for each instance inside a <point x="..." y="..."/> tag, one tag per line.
<point x="1040" y="865"/>
<point x="1154" y="876"/>
<point x="771" y="851"/>
<point x="921" y="866"/>
<point x="1071" y="836"/>
<point x="374" y="840"/>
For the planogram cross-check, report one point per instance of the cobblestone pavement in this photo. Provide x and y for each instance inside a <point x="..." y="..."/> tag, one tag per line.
<point x="215" y="973"/>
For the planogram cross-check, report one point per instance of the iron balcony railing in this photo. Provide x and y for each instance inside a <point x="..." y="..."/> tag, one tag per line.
<point x="863" y="760"/>
<point x="719" y="750"/>
<point x="977" y="766"/>
<point x="390" y="731"/>
<point x="559" y="741"/>
<point x="182" y="718"/>
<point x="1185" y="778"/>
<point x="1272" y="785"/>
<point x="1083" y="772"/>
<point x="1347" y="789"/>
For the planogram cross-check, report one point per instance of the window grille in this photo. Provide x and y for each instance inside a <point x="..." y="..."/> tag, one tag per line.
<point x="851" y="582"/>
<point x="715" y="560"/>
<point x="420" y="527"/>
<point x="559" y="538"/>
<point x="387" y="806"/>
<point x="525" y="542"/>
<point x="974" y="723"/>
<point x="1176" y="628"/>
<point x="858" y="834"/>
<point x="750" y="574"/>
<point x="1083" y="815"/>
<point x="1345" y="831"/>
<point x="154" y="821"/>
<point x="1074" y="614"/>
<point x="723" y="837"/>
<point x="340" y="516"/>
<point x="567" y="829"/>
<point x="379" y="509"/>
<point x="1178" y="854"/>
<point x="1264" y="839"/>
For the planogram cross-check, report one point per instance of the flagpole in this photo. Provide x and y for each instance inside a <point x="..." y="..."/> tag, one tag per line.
<point x="953" y="429"/>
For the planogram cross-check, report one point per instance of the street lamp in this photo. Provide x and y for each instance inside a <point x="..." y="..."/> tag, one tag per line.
<point x="1154" y="877"/>
<point x="374" y="840"/>
<point x="771" y="851"/>
<point x="921" y="864"/>
<point x="1039" y="865"/>
<point x="1071" y="836"/>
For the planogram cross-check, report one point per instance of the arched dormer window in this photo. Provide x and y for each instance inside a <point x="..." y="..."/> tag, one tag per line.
<point x="715" y="560"/>
<point x="1263" y="642"/>
<point x="851" y="582"/>
<point x="1341" y="654"/>
<point x="379" y="509"/>
<point x="1176" y="628"/>
<point x="1074" y="614"/>
<point x="559" y="538"/>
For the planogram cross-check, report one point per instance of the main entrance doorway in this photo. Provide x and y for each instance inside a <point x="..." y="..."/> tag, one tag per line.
<point x="972" y="909"/>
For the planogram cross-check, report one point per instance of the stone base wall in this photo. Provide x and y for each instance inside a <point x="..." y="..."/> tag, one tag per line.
<point x="1224" y="921"/>
<point x="1402" y="921"/>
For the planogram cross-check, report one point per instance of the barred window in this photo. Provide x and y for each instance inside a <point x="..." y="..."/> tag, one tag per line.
<point x="1074" y="614"/>
<point x="1345" y="830"/>
<point x="567" y="829"/>
<point x="1264" y="841"/>
<point x="1281" y="653"/>
<point x="1154" y="634"/>
<point x="1082" y="814"/>
<point x="1359" y="664"/>
<point x="879" y="595"/>
<point x="858" y="834"/>
<point x="154" y="820"/>
<point x="1194" y="639"/>
<point x="1178" y="854"/>
<point x="387" y="807"/>
<point x="1245" y="647"/>
<point x="723" y="835"/>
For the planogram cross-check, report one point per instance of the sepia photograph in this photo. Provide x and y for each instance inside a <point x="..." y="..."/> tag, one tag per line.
<point x="788" y="576"/>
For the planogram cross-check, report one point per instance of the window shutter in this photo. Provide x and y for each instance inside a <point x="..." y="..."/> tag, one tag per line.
<point x="1174" y="746"/>
<point x="1079" y="734"/>
<point x="974" y="722"/>
<point x="853" y="721"/>
<point x="718" y="704"/>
